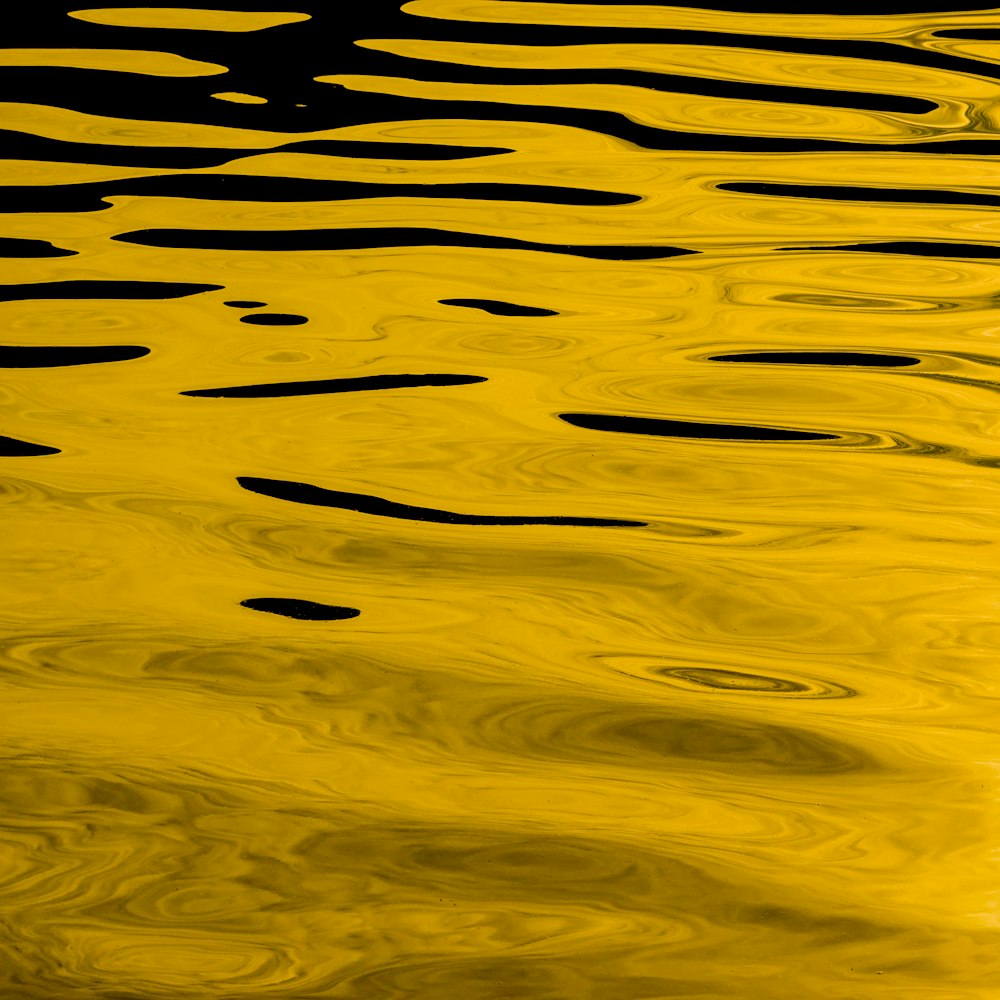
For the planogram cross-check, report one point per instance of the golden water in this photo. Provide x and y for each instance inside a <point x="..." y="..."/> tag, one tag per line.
<point x="745" y="748"/>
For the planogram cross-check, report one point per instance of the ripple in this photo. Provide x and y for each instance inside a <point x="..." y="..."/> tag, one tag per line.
<point x="635" y="736"/>
<point x="856" y="359"/>
<point x="689" y="428"/>
<point x="716" y="679"/>
<point x="363" y="504"/>
<point x="496" y="308"/>
<point x="366" y="383"/>
<point x="972" y="250"/>
<point x="370" y="238"/>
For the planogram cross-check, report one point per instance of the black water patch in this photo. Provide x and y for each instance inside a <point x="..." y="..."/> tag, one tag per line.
<point x="15" y="247"/>
<point x="103" y="290"/>
<point x="13" y="448"/>
<point x="618" y="125"/>
<point x="826" y="9"/>
<point x="495" y="32"/>
<point x="21" y="146"/>
<point x="275" y="319"/>
<point x="93" y="196"/>
<point x="665" y="82"/>
<point x="838" y="193"/>
<point x="969" y="34"/>
<point x="64" y="357"/>
<point x="322" y="386"/>
<point x="296" y="53"/>
<point x="689" y="428"/>
<point x="290" y="607"/>
<point x="372" y="239"/>
<point x="315" y="496"/>
<point x="849" y="358"/>
<point x="244" y="304"/>
<point x="917" y="249"/>
<point x="358" y="150"/>
<point x="497" y="308"/>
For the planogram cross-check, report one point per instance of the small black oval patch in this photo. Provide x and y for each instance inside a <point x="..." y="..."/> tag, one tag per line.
<point x="275" y="319"/>
<point x="290" y="607"/>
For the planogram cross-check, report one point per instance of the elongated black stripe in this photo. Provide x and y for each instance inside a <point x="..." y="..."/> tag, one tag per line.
<point x="497" y="308"/>
<point x="290" y="607"/>
<point x="62" y="357"/>
<point x="22" y="146"/>
<point x="315" y="496"/>
<point x="675" y="83"/>
<point x="918" y="249"/>
<point x="375" y="238"/>
<point x="92" y="197"/>
<point x="103" y="290"/>
<point x="925" y="196"/>
<point x="851" y="358"/>
<point x="14" y="448"/>
<point x="15" y="247"/>
<point x="689" y="428"/>
<point x="321" y="386"/>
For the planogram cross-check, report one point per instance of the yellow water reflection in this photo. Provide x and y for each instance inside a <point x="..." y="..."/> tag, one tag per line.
<point x="672" y="708"/>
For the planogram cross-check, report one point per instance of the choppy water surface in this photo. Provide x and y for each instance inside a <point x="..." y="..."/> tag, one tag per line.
<point x="500" y="502"/>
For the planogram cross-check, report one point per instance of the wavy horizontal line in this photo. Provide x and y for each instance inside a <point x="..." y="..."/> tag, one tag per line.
<point x="825" y="358"/>
<point x="315" y="496"/>
<point x="969" y="34"/>
<point x="103" y="290"/>
<point x="971" y="250"/>
<point x="829" y="192"/>
<point x="690" y="428"/>
<point x="24" y="146"/>
<point x="373" y="239"/>
<point x="92" y="197"/>
<point x="316" y="387"/>
<point x="529" y="75"/>
<point x="65" y="357"/>
<point x="497" y="308"/>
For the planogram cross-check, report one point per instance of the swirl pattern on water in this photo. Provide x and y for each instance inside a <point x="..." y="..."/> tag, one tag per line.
<point x="498" y="500"/>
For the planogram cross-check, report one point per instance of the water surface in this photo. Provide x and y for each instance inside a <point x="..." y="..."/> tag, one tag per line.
<point x="499" y="500"/>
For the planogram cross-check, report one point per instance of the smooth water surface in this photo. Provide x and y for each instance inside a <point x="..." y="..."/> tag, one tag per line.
<point x="500" y="502"/>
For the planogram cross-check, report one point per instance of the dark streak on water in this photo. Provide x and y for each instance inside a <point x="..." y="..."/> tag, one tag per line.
<point x="92" y="197"/>
<point x="689" y="428"/>
<point x="374" y="238"/>
<point x="13" y="448"/>
<point x="967" y="250"/>
<point x="497" y="308"/>
<point x="886" y="194"/>
<point x="274" y="319"/>
<point x="315" y="496"/>
<point x="321" y="386"/>
<point x="103" y="290"/>
<point x="303" y="610"/>
<point x="849" y="358"/>
<point x="60" y="357"/>
<point x="13" y="247"/>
